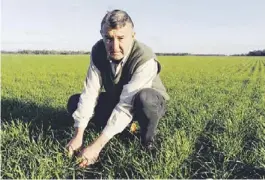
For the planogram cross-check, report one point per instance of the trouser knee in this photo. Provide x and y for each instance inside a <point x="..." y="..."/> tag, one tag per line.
<point x="72" y="103"/>
<point x="149" y="107"/>
<point x="102" y="109"/>
<point x="149" y="102"/>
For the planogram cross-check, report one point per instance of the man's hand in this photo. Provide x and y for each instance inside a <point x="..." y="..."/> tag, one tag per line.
<point x="90" y="154"/>
<point x="76" y="141"/>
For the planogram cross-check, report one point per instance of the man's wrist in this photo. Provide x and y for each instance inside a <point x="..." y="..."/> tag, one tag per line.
<point x="79" y="132"/>
<point x="100" y="142"/>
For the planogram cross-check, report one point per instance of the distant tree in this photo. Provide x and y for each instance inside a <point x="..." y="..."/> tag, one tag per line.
<point x="256" y="53"/>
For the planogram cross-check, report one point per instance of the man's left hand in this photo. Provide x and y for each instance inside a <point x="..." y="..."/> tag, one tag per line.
<point x="88" y="156"/>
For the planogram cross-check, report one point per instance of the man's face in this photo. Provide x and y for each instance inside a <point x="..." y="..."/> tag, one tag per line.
<point x="117" y="41"/>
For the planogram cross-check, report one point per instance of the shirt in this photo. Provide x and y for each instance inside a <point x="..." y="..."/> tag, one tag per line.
<point x="121" y="115"/>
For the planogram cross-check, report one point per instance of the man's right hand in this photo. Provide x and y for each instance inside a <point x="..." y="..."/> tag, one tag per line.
<point x="76" y="141"/>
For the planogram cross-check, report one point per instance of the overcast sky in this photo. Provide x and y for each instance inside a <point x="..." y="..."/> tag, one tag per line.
<point x="193" y="26"/>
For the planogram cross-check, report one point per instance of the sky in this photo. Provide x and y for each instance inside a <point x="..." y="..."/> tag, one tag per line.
<point x="191" y="26"/>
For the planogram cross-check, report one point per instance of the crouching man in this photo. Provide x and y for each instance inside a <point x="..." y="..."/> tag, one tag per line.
<point x="128" y="71"/>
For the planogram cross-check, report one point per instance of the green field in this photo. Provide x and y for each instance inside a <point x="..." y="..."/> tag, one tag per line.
<point x="214" y="125"/>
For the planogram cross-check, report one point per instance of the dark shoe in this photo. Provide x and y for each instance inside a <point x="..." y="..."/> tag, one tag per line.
<point x="149" y="145"/>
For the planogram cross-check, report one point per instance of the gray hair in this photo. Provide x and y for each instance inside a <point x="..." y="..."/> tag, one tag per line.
<point x="116" y="19"/>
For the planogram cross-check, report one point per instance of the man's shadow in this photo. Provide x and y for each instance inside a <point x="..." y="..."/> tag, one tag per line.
<point x="56" y="121"/>
<point x="45" y="119"/>
<point x="39" y="117"/>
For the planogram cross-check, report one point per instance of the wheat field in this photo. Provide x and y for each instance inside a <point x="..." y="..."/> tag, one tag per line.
<point x="214" y="126"/>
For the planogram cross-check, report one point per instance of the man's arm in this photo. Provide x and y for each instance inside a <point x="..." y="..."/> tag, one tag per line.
<point x="85" y="107"/>
<point x="87" y="101"/>
<point x="88" y="97"/>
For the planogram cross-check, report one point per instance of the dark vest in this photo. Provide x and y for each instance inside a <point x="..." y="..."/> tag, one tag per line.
<point x="112" y="84"/>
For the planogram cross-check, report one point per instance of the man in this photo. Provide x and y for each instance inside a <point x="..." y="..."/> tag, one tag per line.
<point x="129" y="73"/>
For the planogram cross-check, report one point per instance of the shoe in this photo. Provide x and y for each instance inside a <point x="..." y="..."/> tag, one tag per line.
<point x="149" y="145"/>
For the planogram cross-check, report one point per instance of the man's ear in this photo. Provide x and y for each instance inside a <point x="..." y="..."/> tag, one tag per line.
<point x="133" y="35"/>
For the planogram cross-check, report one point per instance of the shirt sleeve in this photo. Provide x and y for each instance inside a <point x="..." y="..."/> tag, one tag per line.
<point x="88" y="97"/>
<point x="122" y="114"/>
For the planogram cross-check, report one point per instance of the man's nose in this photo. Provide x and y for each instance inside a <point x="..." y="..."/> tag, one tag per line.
<point x="115" y="45"/>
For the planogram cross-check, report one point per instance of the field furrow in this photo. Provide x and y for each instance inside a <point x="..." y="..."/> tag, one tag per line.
<point x="220" y="141"/>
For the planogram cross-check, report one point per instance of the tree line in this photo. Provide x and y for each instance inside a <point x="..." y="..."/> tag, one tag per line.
<point x="45" y="52"/>
<point x="253" y="53"/>
<point x="55" y="52"/>
<point x="87" y="52"/>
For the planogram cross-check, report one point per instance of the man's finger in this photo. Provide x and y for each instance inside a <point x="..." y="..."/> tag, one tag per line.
<point x="84" y="163"/>
<point x="70" y="151"/>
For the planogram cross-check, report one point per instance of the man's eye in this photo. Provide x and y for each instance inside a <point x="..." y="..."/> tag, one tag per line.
<point x="108" y="39"/>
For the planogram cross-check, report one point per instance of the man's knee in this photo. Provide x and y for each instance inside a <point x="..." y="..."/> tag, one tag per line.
<point x="72" y="103"/>
<point x="149" y="107"/>
<point x="149" y="99"/>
